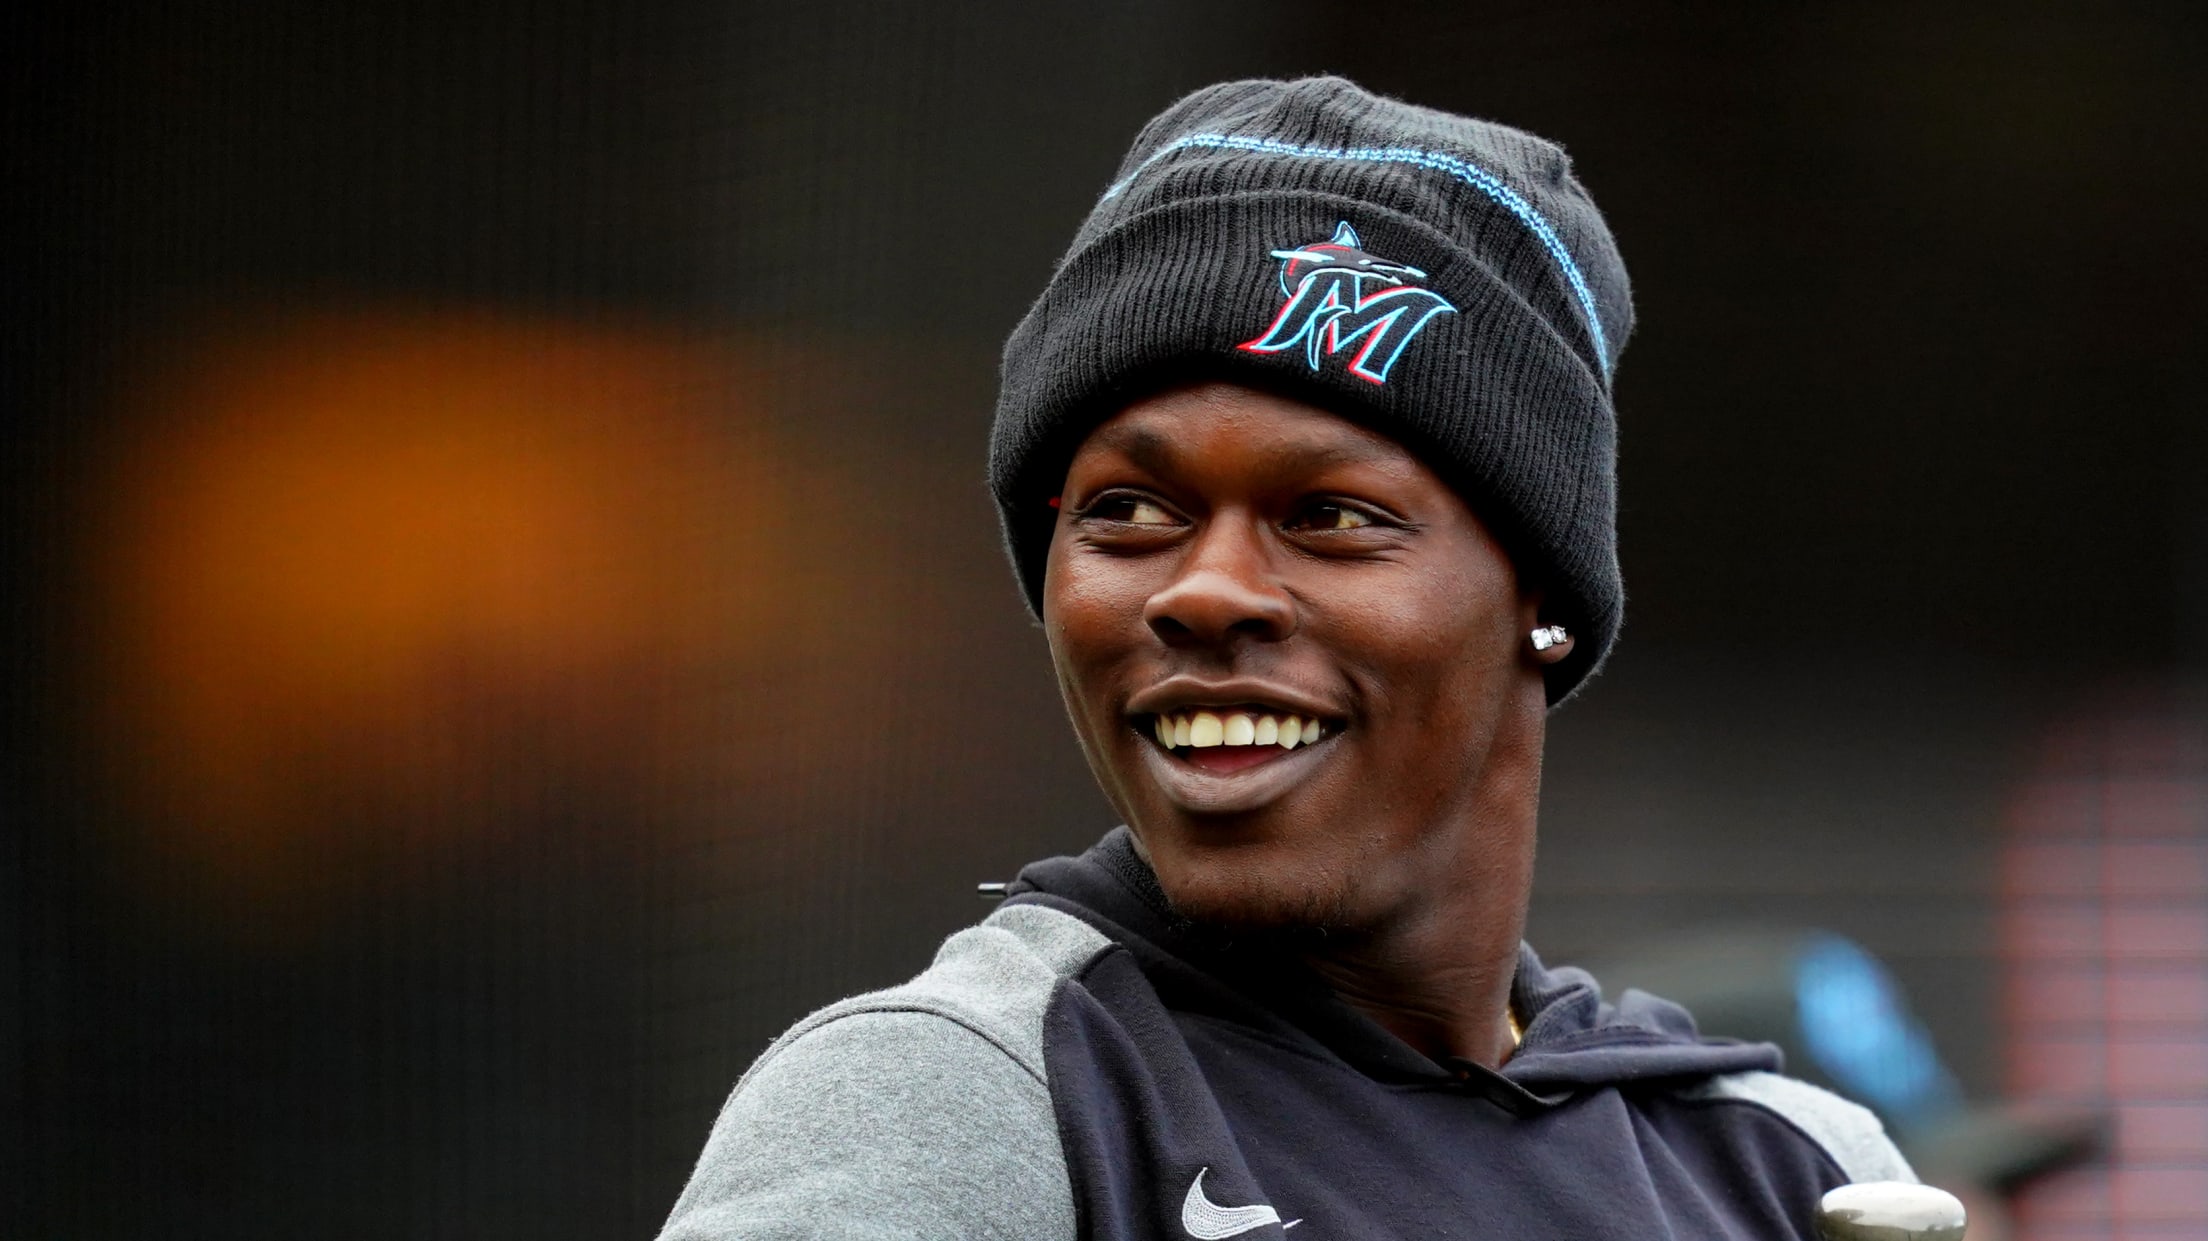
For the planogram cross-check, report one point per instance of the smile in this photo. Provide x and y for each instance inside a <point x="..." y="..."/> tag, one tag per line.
<point x="1230" y="727"/>
<point x="1230" y="760"/>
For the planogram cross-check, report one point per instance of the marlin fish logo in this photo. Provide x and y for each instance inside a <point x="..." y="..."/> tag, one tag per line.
<point x="1339" y="296"/>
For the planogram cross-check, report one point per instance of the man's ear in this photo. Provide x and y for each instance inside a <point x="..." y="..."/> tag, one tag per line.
<point x="1545" y="642"/>
<point x="1531" y="601"/>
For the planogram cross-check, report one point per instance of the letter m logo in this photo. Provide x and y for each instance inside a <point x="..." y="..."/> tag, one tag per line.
<point x="1341" y="298"/>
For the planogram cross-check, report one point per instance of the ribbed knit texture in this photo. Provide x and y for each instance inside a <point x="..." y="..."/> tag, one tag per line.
<point x="1507" y="399"/>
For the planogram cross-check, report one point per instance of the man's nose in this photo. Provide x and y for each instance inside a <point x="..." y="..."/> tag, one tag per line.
<point x="1227" y="585"/>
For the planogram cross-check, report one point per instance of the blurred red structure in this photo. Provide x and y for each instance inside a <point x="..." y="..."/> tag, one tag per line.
<point x="2105" y="937"/>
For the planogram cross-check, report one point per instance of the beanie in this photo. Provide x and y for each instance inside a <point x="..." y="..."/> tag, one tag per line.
<point x="1442" y="280"/>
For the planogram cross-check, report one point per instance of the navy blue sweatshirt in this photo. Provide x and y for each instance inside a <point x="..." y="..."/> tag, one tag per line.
<point x="1086" y="1064"/>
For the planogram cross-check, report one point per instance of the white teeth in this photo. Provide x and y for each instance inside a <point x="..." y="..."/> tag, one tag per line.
<point x="1205" y="729"/>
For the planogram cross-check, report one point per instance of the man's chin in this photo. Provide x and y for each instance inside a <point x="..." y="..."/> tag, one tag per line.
<point x="1244" y="904"/>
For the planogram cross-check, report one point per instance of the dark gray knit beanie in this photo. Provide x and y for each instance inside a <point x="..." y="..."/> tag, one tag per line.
<point x="1443" y="280"/>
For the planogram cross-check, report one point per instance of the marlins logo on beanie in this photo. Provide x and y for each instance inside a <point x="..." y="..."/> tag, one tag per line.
<point x="1443" y="280"/>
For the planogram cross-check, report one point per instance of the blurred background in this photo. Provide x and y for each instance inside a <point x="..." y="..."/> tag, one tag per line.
<point x="502" y="614"/>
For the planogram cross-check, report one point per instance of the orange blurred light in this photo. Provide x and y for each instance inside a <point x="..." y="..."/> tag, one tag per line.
<point x="367" y="574"/>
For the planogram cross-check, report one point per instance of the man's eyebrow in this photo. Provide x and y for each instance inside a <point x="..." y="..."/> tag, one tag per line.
<point x="1141" y="445"/>
<point x="1337" y="451"/>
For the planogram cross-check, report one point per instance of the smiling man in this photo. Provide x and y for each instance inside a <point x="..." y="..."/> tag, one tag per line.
<point x="1305" y="460"/>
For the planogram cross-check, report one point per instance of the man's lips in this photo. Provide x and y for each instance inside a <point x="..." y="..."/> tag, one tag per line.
<point x="1221" y="746"/>
<point x="1226" y="779"/>
<point x="1183" y="695"/>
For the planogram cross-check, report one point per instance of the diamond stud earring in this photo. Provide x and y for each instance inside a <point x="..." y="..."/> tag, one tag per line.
<point x="1548" y="636"/>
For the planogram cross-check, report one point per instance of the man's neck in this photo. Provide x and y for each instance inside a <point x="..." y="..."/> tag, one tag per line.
<point x="1448" y="999"/>
<point x="1438" y="974"/>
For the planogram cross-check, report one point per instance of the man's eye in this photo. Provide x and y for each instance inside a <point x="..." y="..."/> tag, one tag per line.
<point x="1133" y="510"/>
<point x="1332" y="517"/>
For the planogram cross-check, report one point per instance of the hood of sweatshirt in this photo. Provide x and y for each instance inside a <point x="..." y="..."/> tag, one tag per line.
<point x="1573" y="1038"/>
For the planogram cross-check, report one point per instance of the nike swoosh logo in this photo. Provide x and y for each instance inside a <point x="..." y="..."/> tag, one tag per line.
<point x="1206" y="1220"/>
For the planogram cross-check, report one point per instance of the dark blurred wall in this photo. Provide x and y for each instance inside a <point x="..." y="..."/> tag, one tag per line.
<point x="505" y="616"/>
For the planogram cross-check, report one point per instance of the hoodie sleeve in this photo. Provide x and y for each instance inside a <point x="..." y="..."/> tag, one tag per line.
<point x="923" y="1111"/>
<point x="1847" y="1132"/>
<point x="881" y="1125"/>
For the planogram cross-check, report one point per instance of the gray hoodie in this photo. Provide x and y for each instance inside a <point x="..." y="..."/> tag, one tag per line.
<point x="1085" y="1064"/>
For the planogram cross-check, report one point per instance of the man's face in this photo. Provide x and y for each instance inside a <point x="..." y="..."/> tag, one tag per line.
<point x="1235" y="567"/>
